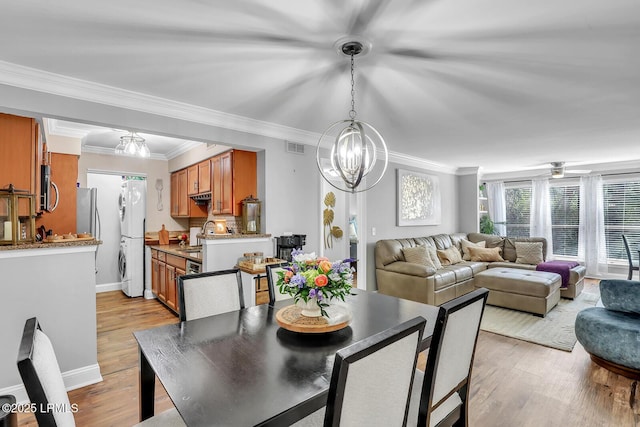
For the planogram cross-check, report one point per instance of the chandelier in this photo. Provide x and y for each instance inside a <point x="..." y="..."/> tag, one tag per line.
<point x="358" y="151"/>
<point x="133" y="144"/>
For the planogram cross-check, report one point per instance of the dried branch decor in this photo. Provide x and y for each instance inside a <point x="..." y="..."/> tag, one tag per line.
<point x="330" y="232"/>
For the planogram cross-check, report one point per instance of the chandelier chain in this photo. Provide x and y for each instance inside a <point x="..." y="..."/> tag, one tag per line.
<point x="353" y="113"/>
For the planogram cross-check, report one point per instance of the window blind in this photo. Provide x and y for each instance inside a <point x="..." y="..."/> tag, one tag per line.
<point x="565" y="219"/>
<point x="518" y="205"/>
<point x="622" y="216"/>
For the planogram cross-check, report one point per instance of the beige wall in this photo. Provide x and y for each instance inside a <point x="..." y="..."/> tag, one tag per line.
<point x="153" y="169"/>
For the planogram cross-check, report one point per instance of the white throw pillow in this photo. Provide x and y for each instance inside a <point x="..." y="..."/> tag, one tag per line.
<point x="529" y="253"/>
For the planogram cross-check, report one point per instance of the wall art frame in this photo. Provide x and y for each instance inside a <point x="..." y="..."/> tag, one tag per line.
<point x="418" y="199"/>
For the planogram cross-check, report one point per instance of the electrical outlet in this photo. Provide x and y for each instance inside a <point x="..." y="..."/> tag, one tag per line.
<point x="373" y="231"/>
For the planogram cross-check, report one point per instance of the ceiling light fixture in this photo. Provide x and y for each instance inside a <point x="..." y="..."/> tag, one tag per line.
<point x="133" y="144"/>
<point x="358" y="151"/>
<point x="557" y="169"/>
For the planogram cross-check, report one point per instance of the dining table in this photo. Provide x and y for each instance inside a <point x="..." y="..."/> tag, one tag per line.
<point x="241" y="368"/>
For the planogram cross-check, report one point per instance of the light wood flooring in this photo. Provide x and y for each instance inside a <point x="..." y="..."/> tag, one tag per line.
<point x="514" y="383"/>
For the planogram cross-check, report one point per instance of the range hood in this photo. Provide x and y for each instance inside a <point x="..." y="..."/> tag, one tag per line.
<point x="201" y="199"/>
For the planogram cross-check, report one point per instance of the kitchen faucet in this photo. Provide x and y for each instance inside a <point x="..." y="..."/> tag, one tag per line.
<point x="204" y="227"/>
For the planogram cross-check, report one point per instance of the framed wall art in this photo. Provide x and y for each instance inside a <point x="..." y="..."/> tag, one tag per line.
<point x="418" y="199"/>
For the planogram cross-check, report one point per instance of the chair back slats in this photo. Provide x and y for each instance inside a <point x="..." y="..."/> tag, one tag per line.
<point x="383" y="366"/>
<point x="40" y="372"/>
<point x="272" y="279"/>
<point x="446" y="381"/>
<point x="208" y="294"/>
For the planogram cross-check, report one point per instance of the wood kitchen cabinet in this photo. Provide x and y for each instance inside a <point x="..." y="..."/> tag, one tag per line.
<point x="181" y="204"/>
<point x="165" y="270"/>
<point x="20" y="154"/>
<point x="199" y="178"/>
<point x="233" y="178"/>
<point x="64" y="173"/>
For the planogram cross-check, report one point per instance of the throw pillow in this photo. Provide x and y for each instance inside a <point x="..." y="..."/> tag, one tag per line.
<point x="466" y="256"/>
<point x="529" y="253"/>
<point x="485" y="254"/>
<point x="433" y="254"/>
<point x="417" y="255"/>
<point x="449" y="256"/>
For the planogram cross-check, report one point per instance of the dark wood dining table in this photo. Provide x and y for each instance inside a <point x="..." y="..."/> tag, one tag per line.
<point x="242" y="369"/>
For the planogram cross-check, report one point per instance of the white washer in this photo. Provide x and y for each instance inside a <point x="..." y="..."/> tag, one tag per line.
<point x="130" y="266"/>
<point x="132" y="207"/>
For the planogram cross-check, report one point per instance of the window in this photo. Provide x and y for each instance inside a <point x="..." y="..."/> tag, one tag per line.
<point x="518" y="205"/>
<point x="565" y="218"/>
<point x="621" y="216"/>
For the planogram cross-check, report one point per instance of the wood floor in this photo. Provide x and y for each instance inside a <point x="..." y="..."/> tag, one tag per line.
<point x="514" y="383"/>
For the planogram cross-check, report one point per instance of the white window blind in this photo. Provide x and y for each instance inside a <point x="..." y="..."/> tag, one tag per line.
<point x="622" y="216"/>
<point x="565" y="218"/>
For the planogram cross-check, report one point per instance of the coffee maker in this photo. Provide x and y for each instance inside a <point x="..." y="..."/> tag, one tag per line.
<point x="286" y="244"/>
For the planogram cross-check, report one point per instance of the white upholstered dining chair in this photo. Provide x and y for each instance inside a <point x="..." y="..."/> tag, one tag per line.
<point x="372" y="379"/>
<point x="40" y="372"/>
<point x="440" y="396"/>
<point x="208" y="294"/>
<point x="272" y="279"/>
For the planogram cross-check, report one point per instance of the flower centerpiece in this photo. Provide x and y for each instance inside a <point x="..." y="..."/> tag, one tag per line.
<point x="313" y="281"/>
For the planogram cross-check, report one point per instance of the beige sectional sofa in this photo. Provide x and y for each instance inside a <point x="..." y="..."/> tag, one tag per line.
<point x="397" y="277"/>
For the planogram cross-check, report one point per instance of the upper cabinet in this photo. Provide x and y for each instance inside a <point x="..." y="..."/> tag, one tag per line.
<point x="199" y="178"/>
<point x="20" y="154"/>
<point x="182" y="205"/>
<point x="233" y="177"/>
<point x="229" y="177"/>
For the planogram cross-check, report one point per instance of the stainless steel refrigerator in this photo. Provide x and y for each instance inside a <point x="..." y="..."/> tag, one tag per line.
<point x="87" y="216"/>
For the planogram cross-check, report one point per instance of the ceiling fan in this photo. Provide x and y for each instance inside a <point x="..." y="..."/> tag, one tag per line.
<point x="558" y="170"/>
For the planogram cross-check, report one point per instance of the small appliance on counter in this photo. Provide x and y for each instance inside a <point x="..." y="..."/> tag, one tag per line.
<point x="286" y="244"/>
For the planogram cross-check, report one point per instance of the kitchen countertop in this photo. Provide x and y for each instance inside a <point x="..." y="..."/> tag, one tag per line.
<point x="59" y="244"/>
<point x="175" y="250"/>
<point x="231" y="236"/>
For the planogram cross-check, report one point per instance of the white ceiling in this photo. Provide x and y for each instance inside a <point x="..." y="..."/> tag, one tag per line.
<point x="500" y="84"/>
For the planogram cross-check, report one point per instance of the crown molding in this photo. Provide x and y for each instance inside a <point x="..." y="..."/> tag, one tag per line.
<point x="111" y="152"/>
<point x="407" y="160"/>
<point x="57" y="84"/>
<point x="471" y="170"/>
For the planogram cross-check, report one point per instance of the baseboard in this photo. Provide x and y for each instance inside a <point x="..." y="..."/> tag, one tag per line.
<point x="108" y="287"/>
<point x="73" y="379"/>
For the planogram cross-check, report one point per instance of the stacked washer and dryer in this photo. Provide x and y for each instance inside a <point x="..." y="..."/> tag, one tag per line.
<point x="132" y="206"/>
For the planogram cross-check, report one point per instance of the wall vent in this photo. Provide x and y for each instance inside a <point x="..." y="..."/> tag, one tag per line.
<point x="292" y="147"/>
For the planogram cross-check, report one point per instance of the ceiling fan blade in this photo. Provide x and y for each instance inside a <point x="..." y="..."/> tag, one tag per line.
<point x="365" y="16"/>
<point x="578" y="171"/>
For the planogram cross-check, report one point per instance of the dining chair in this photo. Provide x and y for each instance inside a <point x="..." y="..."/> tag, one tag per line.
<point x="40" y="372"/>
<point x="272" y="279"/>
<point x="372" y="379"/>
<point x="440" y="396"/>
<point x="633" y="265"/>
<point x="208" y="294"/>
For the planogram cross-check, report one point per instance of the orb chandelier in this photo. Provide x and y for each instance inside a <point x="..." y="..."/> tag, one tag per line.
<point x="133" y="144"/>
<point x="358" y="152"/>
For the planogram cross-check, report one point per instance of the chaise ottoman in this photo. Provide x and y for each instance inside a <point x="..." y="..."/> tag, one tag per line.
<point x="572" y="275"/>
<point x="535" y="292"/>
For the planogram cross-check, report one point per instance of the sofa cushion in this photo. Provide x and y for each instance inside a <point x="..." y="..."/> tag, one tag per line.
<point x="443" y="279"/>
<point x="621" y="295"/>
<point x="509" y="252"/>
<point x="529" y="253"/>
<point x="485" y="254"/>
<point x="466" y="256"/>
<point x="493" y="241"/>
<point x="442" y="241"/>
<point x="508" y="264"/>
<point x="462" y="272"/>
<point x="449" y="256"/>
<point x="475" y="266"/>
<point x="433" y="253"/>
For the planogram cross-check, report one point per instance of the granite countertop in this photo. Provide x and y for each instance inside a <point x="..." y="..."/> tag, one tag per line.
<point x="232" y="236"/>
<point x="57" y="244"/>
<point x="176" y="250"/>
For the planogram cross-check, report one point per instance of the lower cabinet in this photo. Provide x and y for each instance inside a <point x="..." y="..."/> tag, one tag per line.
<point x="165" y="270"/>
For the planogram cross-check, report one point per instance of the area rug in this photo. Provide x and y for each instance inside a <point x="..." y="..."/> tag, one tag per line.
<point x="556" y="330"/>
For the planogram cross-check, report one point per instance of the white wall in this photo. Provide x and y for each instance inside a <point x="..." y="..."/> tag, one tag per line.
<point x="153" y="169"/>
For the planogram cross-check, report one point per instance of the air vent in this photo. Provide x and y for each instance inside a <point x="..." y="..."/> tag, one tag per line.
<point x="292" y="147"/>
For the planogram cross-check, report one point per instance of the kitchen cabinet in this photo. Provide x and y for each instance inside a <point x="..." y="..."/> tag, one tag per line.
<point x="20" y="154"/>
<point x="181" y="204"/>
<point x="262" y="290"/>
<point x="199" y="178"/>
<point x="165" y="270"/>
<point x="233" y="178"/>
<point x="64" y="172"/>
